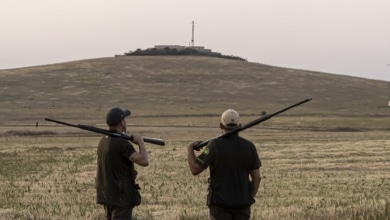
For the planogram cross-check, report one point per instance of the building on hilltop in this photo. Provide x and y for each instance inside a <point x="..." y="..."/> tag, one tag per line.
<point x="181" y="48"/>
<point x="178" y="50"/>
<point x="177" y="47"/>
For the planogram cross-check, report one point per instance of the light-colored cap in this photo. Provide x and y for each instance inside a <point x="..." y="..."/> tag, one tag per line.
<point x="230" y="118"/>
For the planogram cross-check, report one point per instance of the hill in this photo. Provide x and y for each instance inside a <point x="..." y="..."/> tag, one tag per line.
<point x="174" y="86"/>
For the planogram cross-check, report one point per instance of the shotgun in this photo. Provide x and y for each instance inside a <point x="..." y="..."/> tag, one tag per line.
<point x="106" y="132"/>
<point x="250" y="124"/>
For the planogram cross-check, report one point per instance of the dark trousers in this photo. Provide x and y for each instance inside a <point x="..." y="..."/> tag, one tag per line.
<point x="117" y="213"/>
<point x="217" y="213"/>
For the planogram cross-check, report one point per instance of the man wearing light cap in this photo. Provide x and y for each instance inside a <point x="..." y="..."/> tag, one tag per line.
<point x="115" y="180"/>
<point x="231" y="161"/>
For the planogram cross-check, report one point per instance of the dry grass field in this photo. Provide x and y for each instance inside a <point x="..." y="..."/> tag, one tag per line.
<point x="306" y="175"/>
<point x="327" y="159"/>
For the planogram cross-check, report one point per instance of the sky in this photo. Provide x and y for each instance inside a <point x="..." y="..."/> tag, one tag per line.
<point x="346" y="37"/>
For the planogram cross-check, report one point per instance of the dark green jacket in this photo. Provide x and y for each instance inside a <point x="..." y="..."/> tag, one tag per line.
<point x="115" y="179"/>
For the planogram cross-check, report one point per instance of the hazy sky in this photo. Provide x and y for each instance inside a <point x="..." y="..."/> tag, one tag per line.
<point x="348" y="37"/>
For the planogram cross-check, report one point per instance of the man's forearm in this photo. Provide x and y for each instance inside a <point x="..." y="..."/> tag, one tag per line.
<point x="256" y="178"/>
<point x="143" y="152"/>
<point x="255" y="185"/>
<point x="191" y="157"/>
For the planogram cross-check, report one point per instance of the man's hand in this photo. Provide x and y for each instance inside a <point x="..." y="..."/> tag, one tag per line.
<point x="137" y="139"/>
<point x="194" y="144"/>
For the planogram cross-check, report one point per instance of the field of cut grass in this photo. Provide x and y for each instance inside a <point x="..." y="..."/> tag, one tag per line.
<point x="306" y="175"/>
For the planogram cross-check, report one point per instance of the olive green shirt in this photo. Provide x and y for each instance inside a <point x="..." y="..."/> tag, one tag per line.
<point x="115" y="172"/>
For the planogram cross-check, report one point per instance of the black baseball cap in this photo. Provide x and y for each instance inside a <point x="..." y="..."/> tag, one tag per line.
<point x="116" y="115"/>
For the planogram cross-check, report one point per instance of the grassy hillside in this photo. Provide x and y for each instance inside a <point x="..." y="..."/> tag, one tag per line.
<point x="180" y="86"/>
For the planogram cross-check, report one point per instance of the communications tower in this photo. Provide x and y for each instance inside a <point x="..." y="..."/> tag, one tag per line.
<point x="192" y="39"/>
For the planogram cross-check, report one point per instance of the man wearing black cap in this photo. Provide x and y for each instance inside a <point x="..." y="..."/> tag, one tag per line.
<point x="115" y="181"/>
<point x="231" y="161"/>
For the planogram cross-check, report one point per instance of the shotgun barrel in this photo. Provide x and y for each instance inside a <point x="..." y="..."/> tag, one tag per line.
<point x="251" y="124"/>
<point x="106" y="132"/>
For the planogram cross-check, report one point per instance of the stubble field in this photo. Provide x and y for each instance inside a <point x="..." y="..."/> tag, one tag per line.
<point x="50" y="174"/>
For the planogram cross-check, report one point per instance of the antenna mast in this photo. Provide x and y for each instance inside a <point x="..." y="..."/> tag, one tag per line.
<point x="192" y="40"/>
